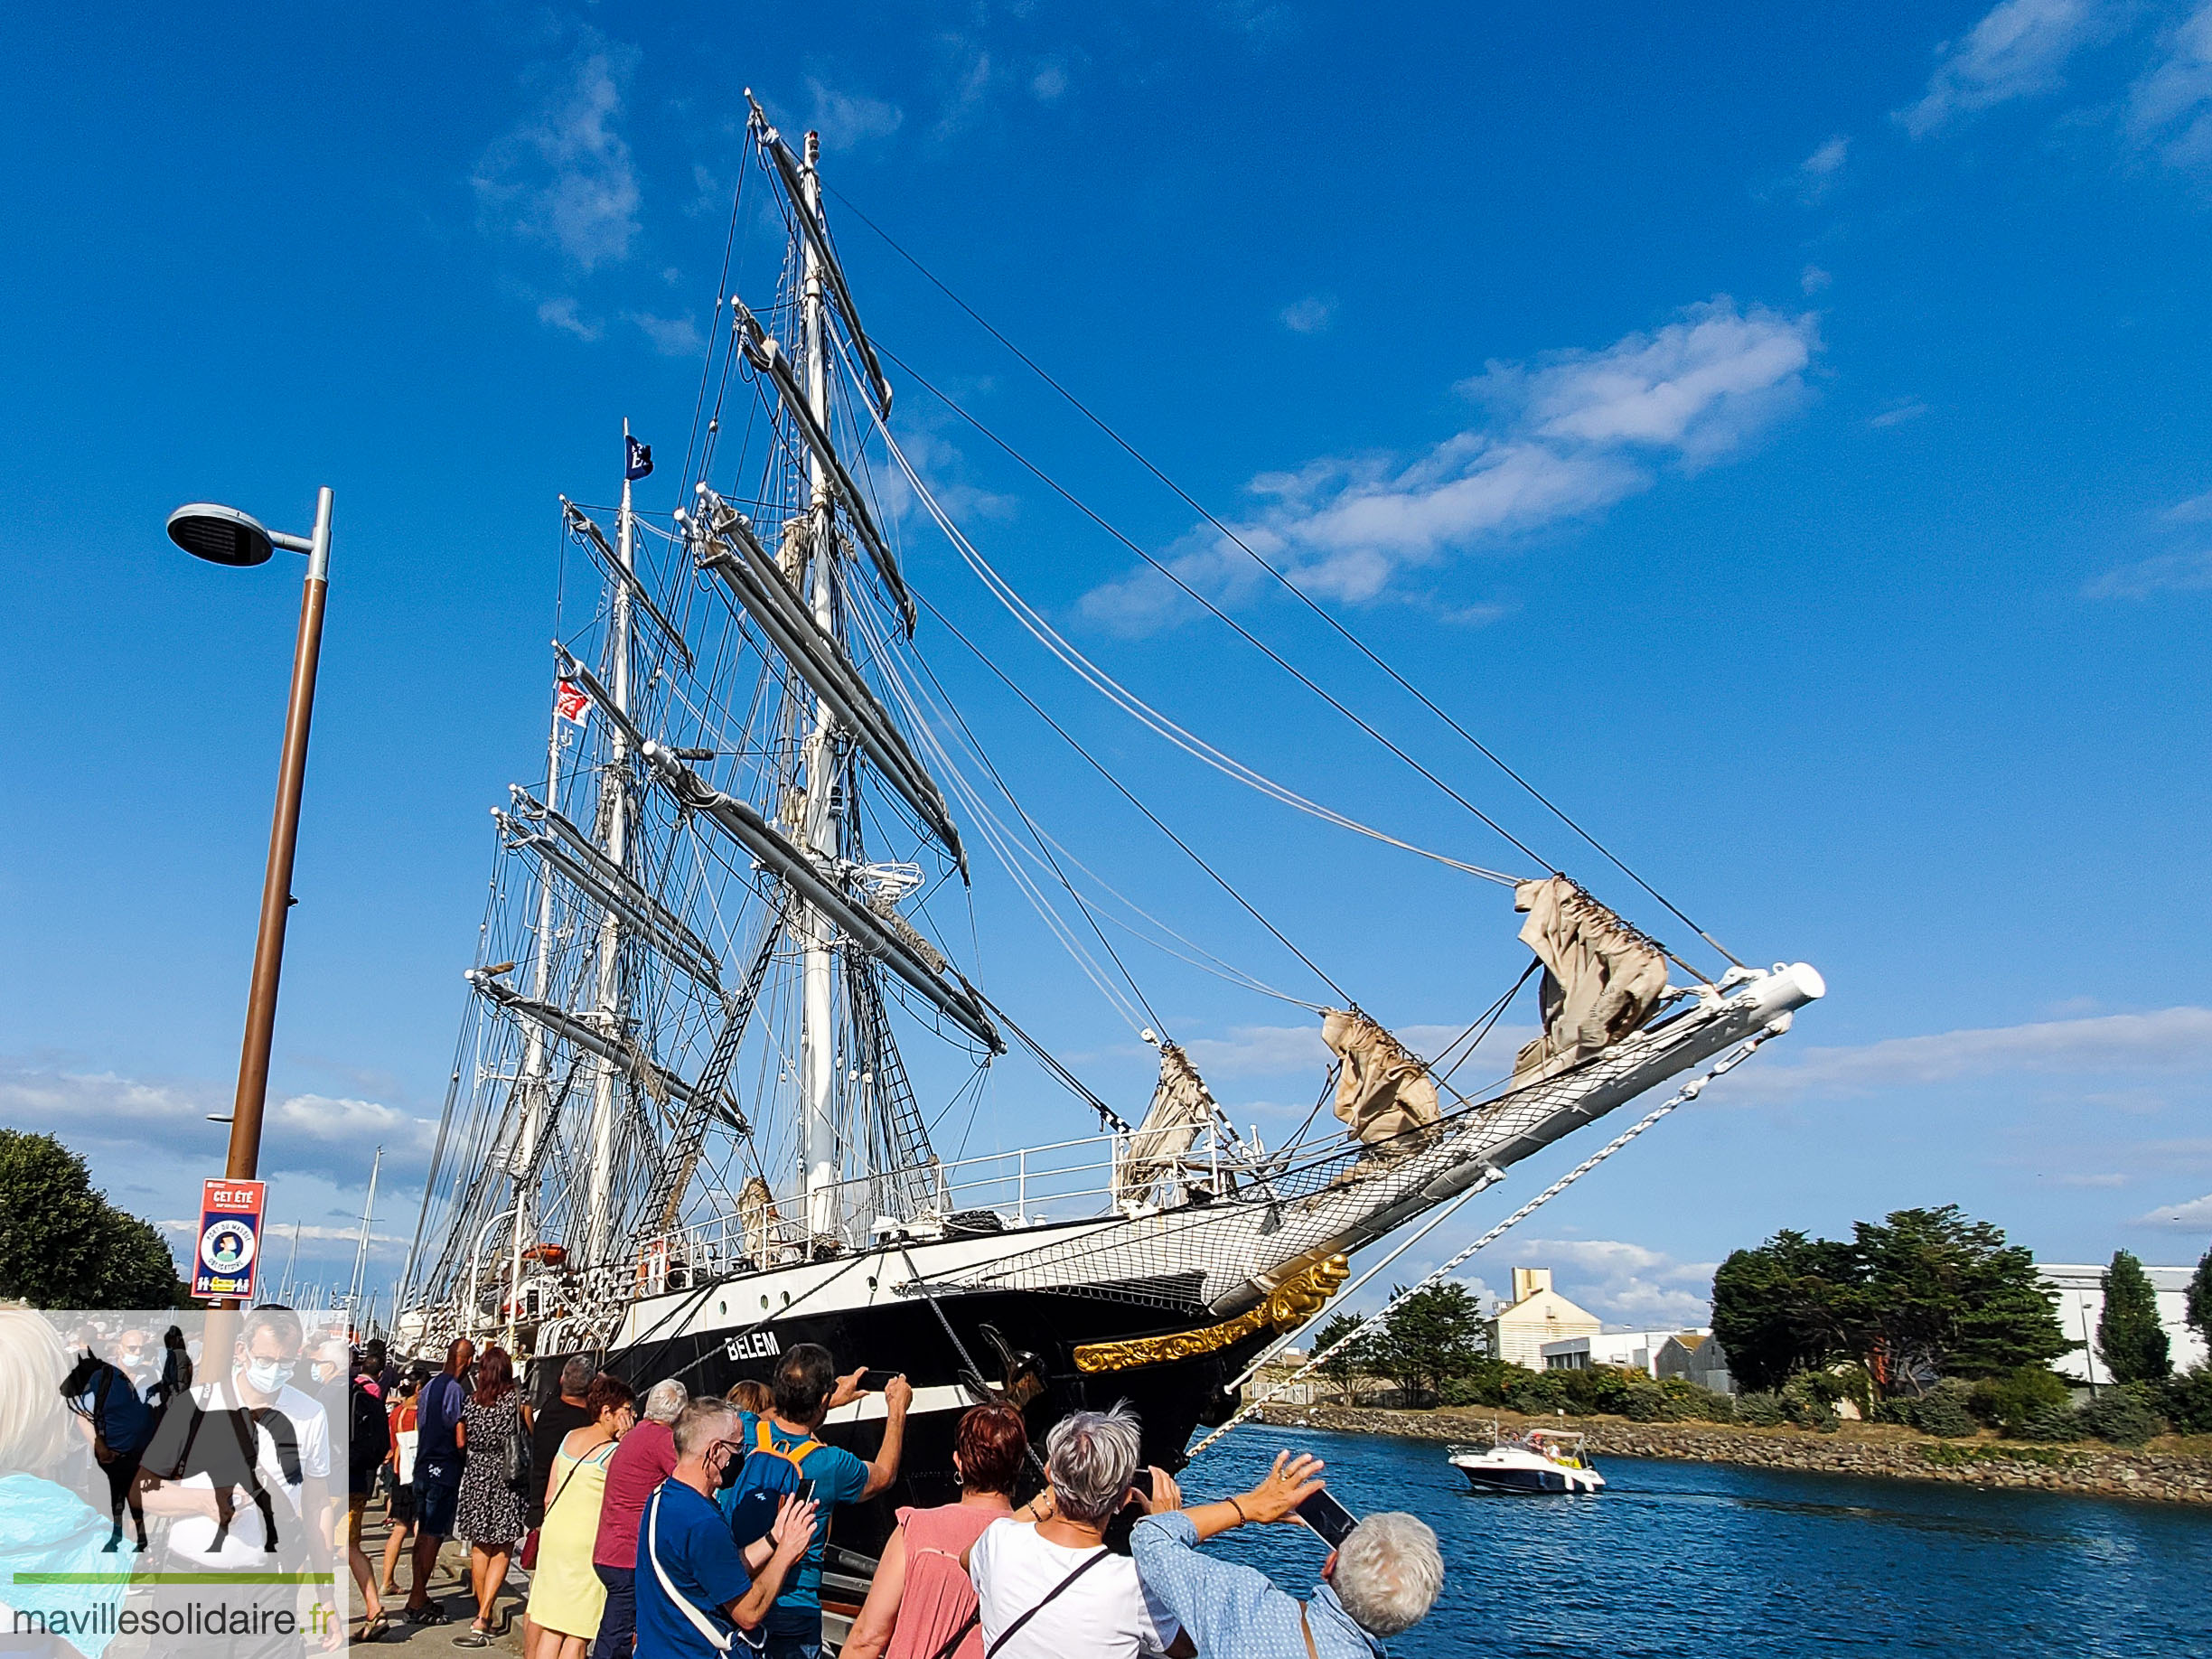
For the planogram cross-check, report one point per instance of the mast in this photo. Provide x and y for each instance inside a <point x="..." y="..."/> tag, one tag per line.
<point x="534" y="1089"/>
<point x="818" y="1037"/>
<point x="360" y="1252"/>
<point x="615" y="820"/>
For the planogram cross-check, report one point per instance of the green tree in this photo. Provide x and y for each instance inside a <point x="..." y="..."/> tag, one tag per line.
<point x="1792" y="1304"/>
<point x="63" y="1245"/>
<point x="1951" y="1298"/>
<point x="1437" y="1333"/>
<point x="2129" y="1336"/>
<point x="1344" y="1369"/>
<point x="2199" y="1295"/>
<point x="1918" y="1295"/>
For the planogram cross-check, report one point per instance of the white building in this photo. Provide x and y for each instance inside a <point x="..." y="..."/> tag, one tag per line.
<point x="1621" y="1350"/>
<point x="1537" y="1315"/>
<point x="2078" y="1294"/>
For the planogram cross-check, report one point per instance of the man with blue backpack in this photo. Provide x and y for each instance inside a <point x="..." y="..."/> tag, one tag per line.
<point x="785" y="1455"/>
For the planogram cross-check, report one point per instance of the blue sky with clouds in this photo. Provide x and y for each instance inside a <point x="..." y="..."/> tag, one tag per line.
<point x="1782" y="437"/>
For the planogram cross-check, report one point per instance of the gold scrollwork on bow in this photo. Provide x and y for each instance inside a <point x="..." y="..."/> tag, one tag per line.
<point x="1290" y="1305"/>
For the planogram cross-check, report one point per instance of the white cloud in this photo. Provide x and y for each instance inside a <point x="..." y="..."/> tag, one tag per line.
<point x="2093" y="1180"/>
<point x="1812" y="279"/>
<point x="1572" y="433"/>
<point x="1828" y="160"/>
<point x="1309" y="316"/>
<point x="562" y="312"/>
<point x="2173" y="1039"/>
<point x="971" y="89"/>
<point x="2019" y="48"/>
<point x="2194" y="1216"/>
<point x="1625" y="1283"/>
<point x="2165" y="573"/>
<point x="1819" y="173"/>
<point x="564" y="174"/>
<point x="1899" y="413"/>
<point x="670" y="336"/>
<point x="845" y="121"/>
<point x="2194" y="510"/>
<point x="327" y="1118"/>
<point x="2169" y="108"/>
<point x="1050" y="82"/>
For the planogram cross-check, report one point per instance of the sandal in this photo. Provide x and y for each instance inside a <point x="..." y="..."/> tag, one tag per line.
<point x="475" y="1635"/>
<point x="429" y="1612"/>
<point x="375" y="1629"/>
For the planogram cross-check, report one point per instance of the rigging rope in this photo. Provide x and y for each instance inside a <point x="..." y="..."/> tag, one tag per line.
<point x="1219" y="879"/>
<point x="1220" y="615"/>
<point x="1127" y="701"/>
<point x="1291" y="586"/>
<point x="1688" y="1091"/>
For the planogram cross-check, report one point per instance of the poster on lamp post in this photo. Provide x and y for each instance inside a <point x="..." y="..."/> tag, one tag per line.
<point x="230" y="1239"/>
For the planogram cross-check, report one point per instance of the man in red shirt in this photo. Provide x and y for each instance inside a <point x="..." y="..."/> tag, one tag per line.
<point x="645" y="1458"/>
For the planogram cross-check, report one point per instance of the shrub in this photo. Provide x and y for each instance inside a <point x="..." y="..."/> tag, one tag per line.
<point x="1809" y="1400"/>
<point x="2054" y="1423"/>
<point x="1943" y="1410"/>
<point x="1481" y="1383"/>
<point x="2188" y="1399"/>
<point x="2011" y="1403"/>
<point x="2126" y="1415"/>
<point x="1537" y="1392"/>
<point x="1762" y="1410"/>
<point x="1643" y="1405"/>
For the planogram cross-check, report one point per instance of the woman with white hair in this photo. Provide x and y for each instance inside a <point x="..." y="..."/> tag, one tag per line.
<point x="1049" y="1589"/>
<point x="45" y="1528"/>
<point x="1381" y="1580"/>
<point x="645" y="1458"/>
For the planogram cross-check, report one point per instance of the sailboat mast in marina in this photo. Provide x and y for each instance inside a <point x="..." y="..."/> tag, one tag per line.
<point x="682" y="1133"/>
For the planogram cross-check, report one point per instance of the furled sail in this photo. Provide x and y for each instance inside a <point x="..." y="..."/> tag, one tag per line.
<point x="761" y="350"/>
<point x="729" y="550"/>
<point x="1602" y="978"/>
<point x="954" y="997"/>
<point x="1383" y="1089"/>
<point x="789" y="172"/>
<point x="1181" y="1107"/>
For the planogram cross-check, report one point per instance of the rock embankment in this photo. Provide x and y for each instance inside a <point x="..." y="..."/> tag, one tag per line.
<point x="2179" y="1477"/>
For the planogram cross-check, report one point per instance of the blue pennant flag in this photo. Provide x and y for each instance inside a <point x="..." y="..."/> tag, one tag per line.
<point x="639" y="460"/>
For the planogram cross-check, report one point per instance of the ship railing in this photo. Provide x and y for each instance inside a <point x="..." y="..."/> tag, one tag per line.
<point x="993" y="1192"/>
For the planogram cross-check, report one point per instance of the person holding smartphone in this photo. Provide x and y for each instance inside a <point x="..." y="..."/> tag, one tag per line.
<point x="1382" y="1576"/>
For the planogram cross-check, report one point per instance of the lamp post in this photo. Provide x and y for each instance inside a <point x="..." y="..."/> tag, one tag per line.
<point x="225" y="536"/>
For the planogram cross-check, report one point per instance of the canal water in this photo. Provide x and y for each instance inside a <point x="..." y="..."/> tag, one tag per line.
<point x="1725" y="1562"/>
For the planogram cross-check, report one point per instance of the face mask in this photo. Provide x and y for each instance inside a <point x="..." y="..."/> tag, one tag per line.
<point x="731" y="1469"/>
<point x="268" y="1376"/>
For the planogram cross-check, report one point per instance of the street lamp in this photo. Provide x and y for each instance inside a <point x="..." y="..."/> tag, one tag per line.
<point x="225" y="536"/>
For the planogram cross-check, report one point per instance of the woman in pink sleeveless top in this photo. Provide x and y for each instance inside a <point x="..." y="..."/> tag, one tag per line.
<point x="920" y="1605"/>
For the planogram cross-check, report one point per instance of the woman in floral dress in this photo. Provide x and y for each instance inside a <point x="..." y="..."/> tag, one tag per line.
<point x="490" y="1514"/>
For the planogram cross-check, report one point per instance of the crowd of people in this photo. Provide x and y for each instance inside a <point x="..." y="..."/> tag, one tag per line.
<point x="683" y="1527"/>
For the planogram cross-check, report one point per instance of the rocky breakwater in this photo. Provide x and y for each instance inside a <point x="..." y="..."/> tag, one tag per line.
<point x="2172" y="1473"/>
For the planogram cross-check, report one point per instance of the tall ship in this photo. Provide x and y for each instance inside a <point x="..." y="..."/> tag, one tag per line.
<point x="723" y="1015"/>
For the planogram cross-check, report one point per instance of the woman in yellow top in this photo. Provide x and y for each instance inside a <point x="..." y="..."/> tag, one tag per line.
<point x="565" y="1595"/>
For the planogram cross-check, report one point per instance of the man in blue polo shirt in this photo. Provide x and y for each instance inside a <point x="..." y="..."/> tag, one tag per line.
<point x="698" y="1595"/>
<point x="807" y="1387"/>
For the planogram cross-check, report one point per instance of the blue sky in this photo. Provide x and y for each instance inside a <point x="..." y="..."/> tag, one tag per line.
<point x="1782" y="437"/>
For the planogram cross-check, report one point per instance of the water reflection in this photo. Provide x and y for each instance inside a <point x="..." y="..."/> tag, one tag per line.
<point x="1718" y="1562"/>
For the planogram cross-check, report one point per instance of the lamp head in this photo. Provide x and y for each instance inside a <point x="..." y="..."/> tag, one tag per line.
<point x="220" y="535"/>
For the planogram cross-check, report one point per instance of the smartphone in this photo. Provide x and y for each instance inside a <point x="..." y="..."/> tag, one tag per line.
<point x="1327" y="1517"/>
<point x="1141" y="1483"/>
<point x="876" y="1381"/>
<point x="806" y="1489"/>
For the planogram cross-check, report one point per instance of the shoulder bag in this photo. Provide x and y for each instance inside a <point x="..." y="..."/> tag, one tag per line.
<point x="1006" y="1635"/>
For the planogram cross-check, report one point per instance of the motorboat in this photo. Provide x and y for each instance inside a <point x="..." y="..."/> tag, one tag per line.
<point x="1541" y="1460"/>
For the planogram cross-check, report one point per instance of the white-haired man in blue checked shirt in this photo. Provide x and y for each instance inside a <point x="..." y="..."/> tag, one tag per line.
<point x="1383" y="1580"/>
